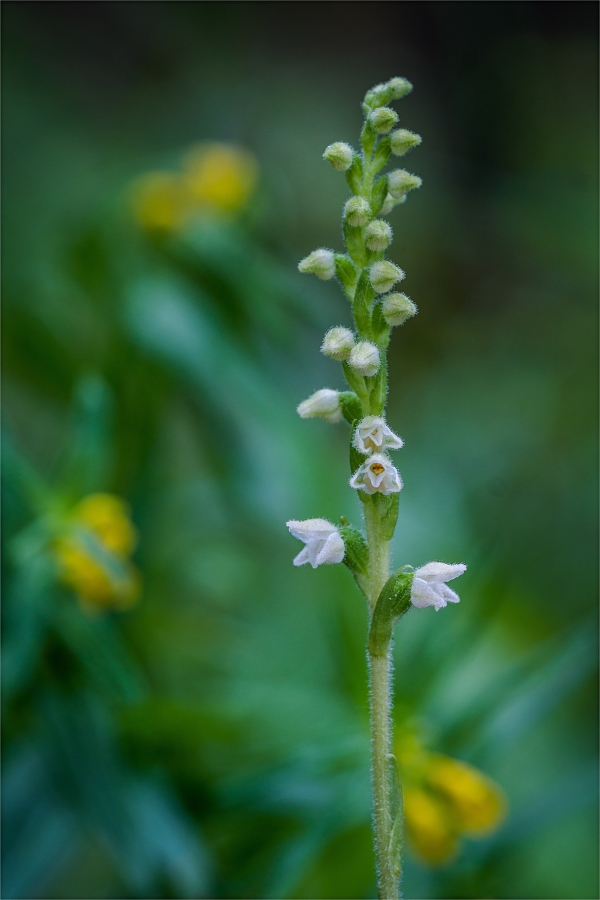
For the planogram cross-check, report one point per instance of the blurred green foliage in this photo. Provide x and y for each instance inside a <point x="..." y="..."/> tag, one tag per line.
<point x="214" y="740"/>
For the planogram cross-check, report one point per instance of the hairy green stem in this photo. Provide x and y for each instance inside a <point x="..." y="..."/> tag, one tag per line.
<point x="380" y="706"/>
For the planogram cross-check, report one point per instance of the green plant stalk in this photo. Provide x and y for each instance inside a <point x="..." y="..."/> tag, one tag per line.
<point x="380" y="698"/>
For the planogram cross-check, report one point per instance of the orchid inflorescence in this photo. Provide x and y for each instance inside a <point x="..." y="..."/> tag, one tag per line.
<point x="368" y="280"/>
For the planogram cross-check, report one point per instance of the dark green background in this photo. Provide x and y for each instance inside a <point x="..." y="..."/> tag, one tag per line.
<point x="214" y="741"/>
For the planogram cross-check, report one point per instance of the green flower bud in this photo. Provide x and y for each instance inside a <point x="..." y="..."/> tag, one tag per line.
<point x="379" y="95"/>
<point x="400" y="182"/>
<point x="357" y="211"/>
<point x="397" y="308"/>
<point x="402" y="141"/>
<point x="378" y="235"/>
<point x="364" y="358"/>
<point x="384" y="275"/>
<point x="337" y="343"/>
<point x="323" y="404"/>
<point x="320" y="262"/>
<point x="399" y="87"/>
<point x="383" y="119"/>
<point x="340" y="155"/>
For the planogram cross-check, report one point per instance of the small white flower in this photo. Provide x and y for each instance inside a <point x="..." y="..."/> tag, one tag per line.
<point x="320" y="262"/>
<point x="323" y="404"/>
<point x="377" y="475"/>
<point x="384" y="275"/>
<point x="378" y="235"/>
<point x="324" y="544"/>
<point x="337" y="343"/>
<point x="383" y="119"/>
<point x="400" y="181"/>
<point x="364" y="358"/>
<point x="372" y="434"/>
<point x="340" y="155"/>
<point x="429" y="587"/>
<point x="358" y="211"/>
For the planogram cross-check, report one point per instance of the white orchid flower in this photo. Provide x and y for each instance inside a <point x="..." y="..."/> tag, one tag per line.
<point x="429" y="586"/>
<point x="377" y="475"/>
<point x="323" y="404"/>
<point x="372" y="434"/>
<point x="324" y="544"/>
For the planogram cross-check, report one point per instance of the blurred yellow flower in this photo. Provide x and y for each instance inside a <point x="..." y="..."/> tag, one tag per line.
<point x="215" y="178"/>
<point x="477" y="802"/>
<point x="92" y="554"/>
<point x="444" y="799"/>
<point x="219" y="176"/>
<point x="159" y="202"/>
<point x="428" y="826"/>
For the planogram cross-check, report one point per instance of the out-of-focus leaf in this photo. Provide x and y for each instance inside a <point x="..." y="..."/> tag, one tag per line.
<point x="88" y="455"/>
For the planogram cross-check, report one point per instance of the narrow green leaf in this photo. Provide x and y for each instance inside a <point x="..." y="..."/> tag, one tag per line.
<point x="353" y="237"/>
<point x="379" y="193"/>
<point x="382" y="154"/>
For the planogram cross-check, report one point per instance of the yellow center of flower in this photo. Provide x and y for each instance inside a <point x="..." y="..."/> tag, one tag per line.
<point x="377" y="468"/>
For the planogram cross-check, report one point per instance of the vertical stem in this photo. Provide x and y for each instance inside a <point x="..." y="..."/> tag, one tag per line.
<point x="380" y="700"/>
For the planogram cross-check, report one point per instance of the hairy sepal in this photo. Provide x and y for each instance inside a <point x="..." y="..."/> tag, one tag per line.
<point x="392" y="603"/>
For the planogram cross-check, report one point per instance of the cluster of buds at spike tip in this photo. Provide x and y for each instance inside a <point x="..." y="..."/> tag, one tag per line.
<point x="340" y="155"/>
<point x="323" y="404"/>
<point x="364" y="358"/>
<point x="400" y="182"/>
<point x="357" y="211"/>
<point x="384" y="275"/>
<point x="338" y="343"/>
<point x="401" y="141"/>
<point x="378" y="235"/>
<point x="397" y="308"/>
<point x="320" y="262"/>
<point x="383" y="119"/>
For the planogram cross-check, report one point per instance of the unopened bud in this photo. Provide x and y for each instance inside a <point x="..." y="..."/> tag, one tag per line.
<point x="357" y="211"/>
<point x="397" y="308"/>
<point x="323" y="404"/>
<point x="378" y="235"/>
<point x="399" y="87"/>
<point x="402" y="141"/>
<point x="320" y="262"/>
<point x="364" y="358"/>
<point x="400" y="182"/>
<point x="384" y="275"/>
<point x="337" y="343"/>
<point x="383" y="119"/>
<point x="340" y="155"/>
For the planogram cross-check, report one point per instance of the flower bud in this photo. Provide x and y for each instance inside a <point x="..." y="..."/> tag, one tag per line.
<point x="378" y="235"/>
<point x="323" y="404"/>
<point x="383" y="119"/>
<point x="384" y="275"/>
<point x="400" y="182"/>
<point x="320" y="262"/>
<point x="340" y="155"/>
<point x="399" y="87"/>
<point x="337" y="343"/>
<point x="402" y="141"/>
<point x="397" y="308"/>
<point x="364" y="358"/>
<point x="357" y="211"/>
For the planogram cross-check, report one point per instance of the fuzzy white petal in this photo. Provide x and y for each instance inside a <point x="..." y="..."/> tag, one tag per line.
<point x="324" y="544"/>
<point x="439" y="571"/>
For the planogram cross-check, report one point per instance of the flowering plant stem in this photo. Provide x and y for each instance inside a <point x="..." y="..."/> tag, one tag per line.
<point x="367" y="279"/>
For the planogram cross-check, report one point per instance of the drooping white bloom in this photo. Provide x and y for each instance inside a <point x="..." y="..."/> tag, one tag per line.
<point x="324" y="544"/>
<point x="373" y="435"/>
<point x="429" y="586"/>
<point x="320" y="262"/>
<point x="358" y="211"/>
<point x="378" y="235"/>
<point x="384" y="275"/>
<point x="377" y="475"/>
<point x="323" y="404"/>
<point x="339" y="155"/>
<point x="383" y="119"/>
<point x="337" y="343"/>
<point x="364" y="358"/>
